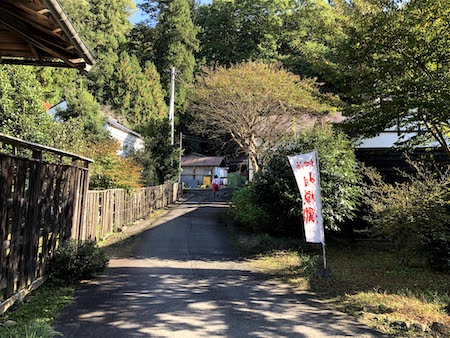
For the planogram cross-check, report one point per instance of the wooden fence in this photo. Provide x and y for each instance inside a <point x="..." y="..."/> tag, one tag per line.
<point x="41" y="203"/>
<point x="110" y="210"/>
<point x="44" y="200"/>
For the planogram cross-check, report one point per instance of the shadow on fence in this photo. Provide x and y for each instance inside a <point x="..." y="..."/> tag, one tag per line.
<point x="44" y="200"/>
<point x="109" y="210"/>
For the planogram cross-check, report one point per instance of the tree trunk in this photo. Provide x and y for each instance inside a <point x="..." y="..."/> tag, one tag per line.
<point x="438" y="135"/>
<point x="255" y="164"/>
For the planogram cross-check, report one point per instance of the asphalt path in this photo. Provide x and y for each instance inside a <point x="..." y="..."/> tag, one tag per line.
<point x="185" y="280"/>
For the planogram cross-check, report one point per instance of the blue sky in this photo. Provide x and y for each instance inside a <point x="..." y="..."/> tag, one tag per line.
<point x="138" y="17"/>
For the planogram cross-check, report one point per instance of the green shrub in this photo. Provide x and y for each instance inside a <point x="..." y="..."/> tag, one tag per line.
<point x="246" y="212"/>
<point x="277" y="192"/>
<point x="74" y="261"/>
<point x="310" y="265"/>
<point x="413" y="214"/>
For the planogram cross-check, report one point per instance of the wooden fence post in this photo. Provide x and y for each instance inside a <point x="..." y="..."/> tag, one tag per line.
<point x="84" y="201"/>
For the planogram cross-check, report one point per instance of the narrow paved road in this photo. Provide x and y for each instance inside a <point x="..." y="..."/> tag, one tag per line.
<point x="185" y="281"/>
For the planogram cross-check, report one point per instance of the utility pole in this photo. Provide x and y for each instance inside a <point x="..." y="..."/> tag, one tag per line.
<point x="181" y="153"/>
<point x="172" y="104"/>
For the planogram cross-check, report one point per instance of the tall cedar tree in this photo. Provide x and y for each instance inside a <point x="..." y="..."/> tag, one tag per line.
<point x="136" y="93"/>
<point x="104" y="25"/>
<point x="303" y="35"/>
<point x="175" y="43"/>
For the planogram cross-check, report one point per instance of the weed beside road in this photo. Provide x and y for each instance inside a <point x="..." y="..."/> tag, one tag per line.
<point x="35" y="316"/>
<point x="365" y="282"/>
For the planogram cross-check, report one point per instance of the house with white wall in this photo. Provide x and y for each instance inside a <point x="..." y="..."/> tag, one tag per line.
<point x="200" y="170"/>
<point x="128" y="139"/>
<point x="385" y="153"/>
<point x="393" y="137"/>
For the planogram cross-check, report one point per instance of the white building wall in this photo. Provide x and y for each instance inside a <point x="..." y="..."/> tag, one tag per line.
<point x="388" y="140"/>
<point x="127" y="141"/>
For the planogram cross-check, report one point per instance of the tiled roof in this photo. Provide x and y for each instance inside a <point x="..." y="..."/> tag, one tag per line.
<point x="201" y="161"/>
<point x="113" y="123"/>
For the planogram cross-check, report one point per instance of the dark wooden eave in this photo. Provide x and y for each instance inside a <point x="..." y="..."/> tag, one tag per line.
<point x="38" y="32"/>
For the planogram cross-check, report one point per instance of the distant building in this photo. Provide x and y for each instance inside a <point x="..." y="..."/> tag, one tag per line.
<point x="129" y="140"/>
<point x="198" y="170"/>
<point x="384" y="153"/>
<point x="392" y="137"/>
<point x="53" y="110"/>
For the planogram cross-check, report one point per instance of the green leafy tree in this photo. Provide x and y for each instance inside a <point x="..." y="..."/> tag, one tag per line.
<point x="175" y="43"/>
<point x="218" y="35"/>
<point x="234" y="31"/>
<point x="71" y="136"/>
<point x="309" y="41"/>
<point x="54" y="82"/>
<point x="340" y="180"/>
<point x="22" y="111"/>
<point x="303" y="35"/>
<point x="83" y="109"/>
<point x="396" y="61"/>
<point x="136" y="93"/>
<point x="256" y="104"/>
<point x="158" y="158"/>
<point x="111" y="170"/>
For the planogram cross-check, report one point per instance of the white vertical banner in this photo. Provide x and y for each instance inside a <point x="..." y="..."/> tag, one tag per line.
<point x="306" y="172"/>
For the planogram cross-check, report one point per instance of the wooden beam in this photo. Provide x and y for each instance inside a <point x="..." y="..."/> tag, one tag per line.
<point x="19" y="296"/>
<point x="48" y="42"/>
<point x="35" y="53"/>
<point x="31" y="40"/>
<point x="25" y="12"/>
<point x="41" y="23"/>
<point x="33" y="62"/>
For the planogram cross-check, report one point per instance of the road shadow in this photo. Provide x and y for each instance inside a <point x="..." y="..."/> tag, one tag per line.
<point x="185" y="279"/>
<point x="185" y="302"/>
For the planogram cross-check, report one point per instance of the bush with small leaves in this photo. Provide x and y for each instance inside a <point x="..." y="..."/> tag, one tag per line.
<point x="413" y="214"/>
<point x="245" y="211"/>
<point x="277" y="194"/>
<point x="74" y="261"/>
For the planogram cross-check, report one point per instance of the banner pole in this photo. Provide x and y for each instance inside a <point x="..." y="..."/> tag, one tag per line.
<point x="324" y="256"/>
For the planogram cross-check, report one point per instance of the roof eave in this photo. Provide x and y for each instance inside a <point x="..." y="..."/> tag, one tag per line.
<point x="59" y="14"/>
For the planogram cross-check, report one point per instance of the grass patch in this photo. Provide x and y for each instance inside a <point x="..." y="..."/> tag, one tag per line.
<point x="370" y="284"/>
<point x="35" y="316"/>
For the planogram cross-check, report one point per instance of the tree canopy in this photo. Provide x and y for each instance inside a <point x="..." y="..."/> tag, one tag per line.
<point x="256" y="104"/>
<point x="175" y="43"/>
<point x="387" y="59"/>
<point x="303" y="35"/>
<point x="22" y="111"/>
<point x="397" y="60"/>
